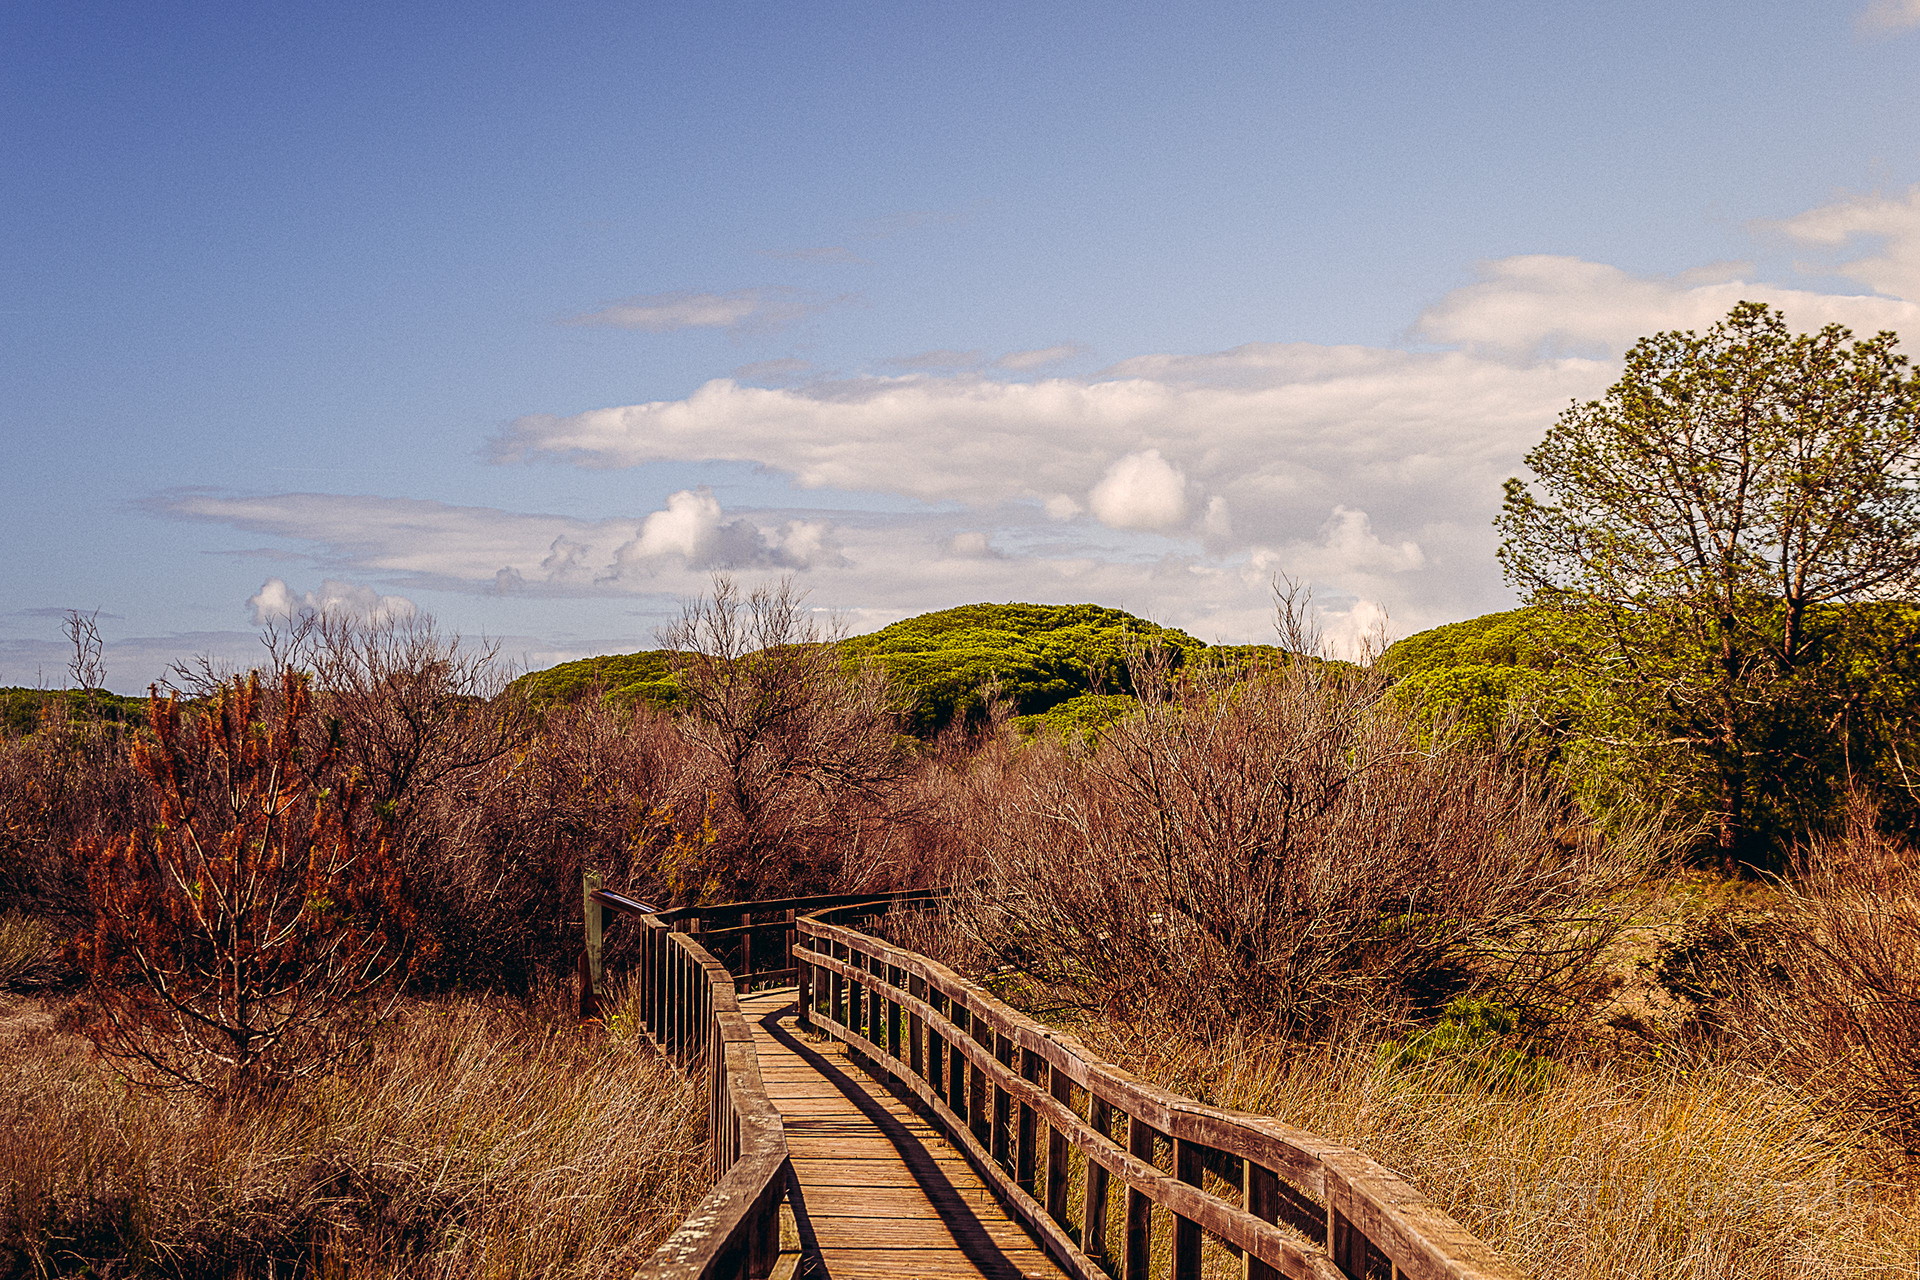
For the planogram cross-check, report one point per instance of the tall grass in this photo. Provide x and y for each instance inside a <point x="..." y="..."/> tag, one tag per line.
<point x="473" y="1139"/>
<point x="1653" y="1171"/>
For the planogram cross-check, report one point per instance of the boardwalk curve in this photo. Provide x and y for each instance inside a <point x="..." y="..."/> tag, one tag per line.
<point x="1105" y="1175"/>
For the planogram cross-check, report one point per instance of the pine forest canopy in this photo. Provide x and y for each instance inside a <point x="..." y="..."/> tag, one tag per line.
<point x="1065" y="660"/>
<point x="1725" y="536"/>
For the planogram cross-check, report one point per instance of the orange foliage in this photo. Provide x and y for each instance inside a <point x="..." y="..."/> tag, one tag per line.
<point x="248" y="933"/>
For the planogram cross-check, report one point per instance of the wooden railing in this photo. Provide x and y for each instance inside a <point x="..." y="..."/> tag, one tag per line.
<point x="685" y="998"/>
<point x="1036" y="1113"/>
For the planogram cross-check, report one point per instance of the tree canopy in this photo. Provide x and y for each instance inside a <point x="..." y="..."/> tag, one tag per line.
<point x="1718" y="522"/>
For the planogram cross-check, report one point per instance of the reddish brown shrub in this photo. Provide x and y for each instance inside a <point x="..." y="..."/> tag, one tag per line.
<point x="1837" y="1008"/>
<point x="1284" y="851"/>
<point x="237" y="938"/>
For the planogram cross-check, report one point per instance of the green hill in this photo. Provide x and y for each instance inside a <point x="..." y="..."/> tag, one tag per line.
<point x="1042" y="657"/>
<point x="624" y="678"/>
<point x="21" y="709"/>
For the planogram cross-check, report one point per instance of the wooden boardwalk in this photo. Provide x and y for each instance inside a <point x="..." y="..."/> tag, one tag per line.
<point x="877" y="1191"/>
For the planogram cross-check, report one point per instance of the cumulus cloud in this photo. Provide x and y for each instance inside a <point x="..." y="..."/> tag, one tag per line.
<point x="1140" y="491"/>
<point x="506" y="552"/>
<point x="1891" y="224"/>
<point x="1886" y="17"/>
<point x="1040" y="357"/>
<point x="1175" y="484"/>
<point x="277" y="602"/>
<point x="971" y="544"/>
<point x="740" y="311"/>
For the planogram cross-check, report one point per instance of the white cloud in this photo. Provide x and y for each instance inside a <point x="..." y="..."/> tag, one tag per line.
<point x="1022" y="361"/>
<point x="970" y="544"/>
<point x="1175" y="484"/>
<point x="740" y="311"/>
<point x="1140" y="491"/>
<point x="1893" y="223"/>
<point x="1889" y="16"/>
<point x="509" y="552"/>
<point x="692" y="532"/>
<point x="277" y="602"/>
<point x="1542" y="302"/>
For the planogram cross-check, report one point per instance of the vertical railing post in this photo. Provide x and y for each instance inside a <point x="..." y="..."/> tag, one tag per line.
<point x="1026" y="1157"/>
<point x="804" y="993"/>
<point x="1263" y="1202"/>
<point x="745" y="976"/>
<point x="1139" y="1258"/>
<point x="594" y="997"/>
<point x="1002" y="1104"/>
<point x="894" y="978"/>
<point x="788" y="938"/>
<point x="1093" y="1217"/>
<point x="916" y="1028"/>
<point x="979" y="1109"/>
<point x="1188" y="1164"/>
<point x="937" y="1049"/>
<point x="1060" y="1085"/>
<point x="1345" y="1243"/>
<point x="957" y="1062"/>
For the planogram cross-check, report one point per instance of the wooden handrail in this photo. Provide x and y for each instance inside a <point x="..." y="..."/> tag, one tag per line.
<point x="687" y="1003"/>
<point x="688" y="1006"/>
<point x="973" y="1060"/>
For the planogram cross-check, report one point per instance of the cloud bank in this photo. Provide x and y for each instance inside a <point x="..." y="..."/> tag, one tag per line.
<point x="1175" y="484"/>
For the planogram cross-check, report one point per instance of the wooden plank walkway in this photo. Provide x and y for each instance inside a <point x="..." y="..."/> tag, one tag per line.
<point x="878" y="1192"/>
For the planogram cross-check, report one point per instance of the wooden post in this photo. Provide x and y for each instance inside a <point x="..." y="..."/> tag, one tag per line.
<point x="937" y="1049"/>
<point x="893" y="1016"/>
<point x="788" y="937"/>
<point x="1263" y="1202"/>
<point x="593" y="1001"/>
<point x="1026" y="1157"/>
<point x="979" y="1111"/>
<point x="1188" y="1164"/>
<point x="1060" y="1085"/>
<point x="1002" y="1105"/>
<point x="957" y="1064"/>
<point x="1346" y="1244"/>
<point x="916" y="1029"/>
<point x="1093" y="1231"/>
<point x="1139" y="1258"/>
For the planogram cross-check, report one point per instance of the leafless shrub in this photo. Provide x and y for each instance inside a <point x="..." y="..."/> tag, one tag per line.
<point x="1842" y="1017"/>
<point x="66" y="784"/>
<point x="87" y="668"/>
<point x="800" y="756"/>
<point x="1282" y="851"/>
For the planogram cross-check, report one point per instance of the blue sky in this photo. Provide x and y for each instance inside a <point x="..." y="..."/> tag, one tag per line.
<point x="534" y="316"/>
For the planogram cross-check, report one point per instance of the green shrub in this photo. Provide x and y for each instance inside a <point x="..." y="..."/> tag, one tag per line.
<point x="1475" y="1042"/>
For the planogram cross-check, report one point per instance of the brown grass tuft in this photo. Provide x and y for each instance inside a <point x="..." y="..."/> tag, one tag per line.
<point x="477" y="1139"/>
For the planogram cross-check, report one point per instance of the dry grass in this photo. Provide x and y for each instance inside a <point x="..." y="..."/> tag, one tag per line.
<point x="29" y="951"/>
<point x="1654" y="1171"/>
<point x="475" y="1139"/>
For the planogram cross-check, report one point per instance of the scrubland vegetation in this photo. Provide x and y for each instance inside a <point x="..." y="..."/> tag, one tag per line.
<point x="1599" y="919"/>
<point x="1273" y="882"/>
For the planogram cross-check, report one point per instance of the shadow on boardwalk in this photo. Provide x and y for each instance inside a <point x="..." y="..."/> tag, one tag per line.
<point x="876" y="1191"/>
